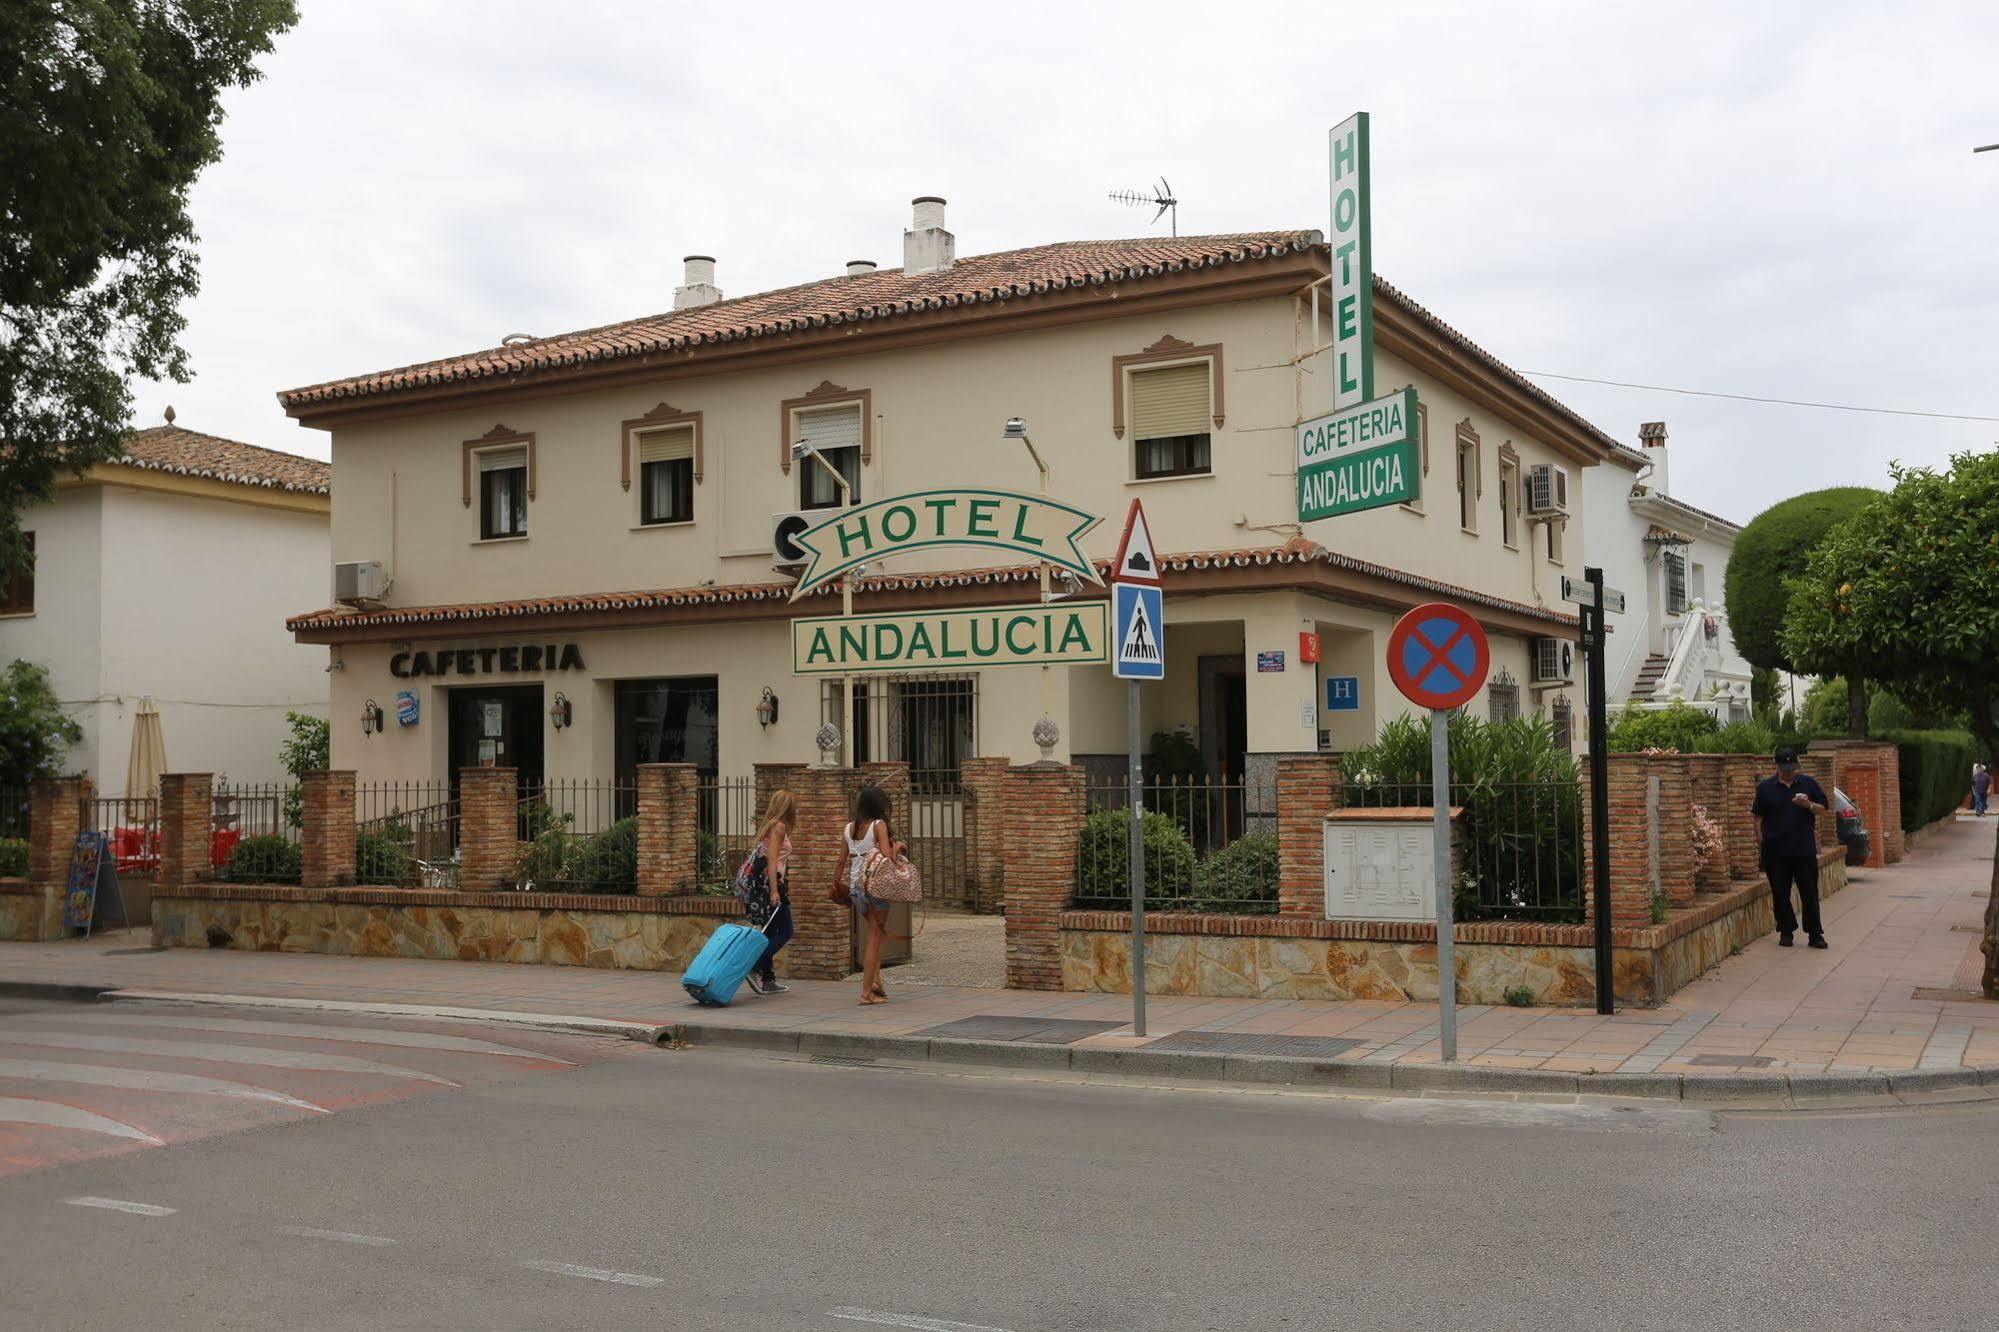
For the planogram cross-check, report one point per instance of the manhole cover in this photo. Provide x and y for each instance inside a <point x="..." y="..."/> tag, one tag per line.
<point x="1947" y="996"/>
<point x="1253" y="1043"/>
<point x="1732" y="1061"/>
<point x="842" y="1061"/>
<point x="1032" y="1030"/>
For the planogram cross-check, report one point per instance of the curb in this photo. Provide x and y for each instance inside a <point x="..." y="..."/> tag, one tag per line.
<point x="1280" y="1070"/>
<point x="1800" y="1089"/>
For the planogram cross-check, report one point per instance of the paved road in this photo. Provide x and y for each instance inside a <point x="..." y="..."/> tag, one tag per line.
<point x="702" y="1190"/>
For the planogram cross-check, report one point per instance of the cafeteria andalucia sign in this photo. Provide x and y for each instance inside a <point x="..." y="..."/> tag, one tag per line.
<point x="1030" y="525"/>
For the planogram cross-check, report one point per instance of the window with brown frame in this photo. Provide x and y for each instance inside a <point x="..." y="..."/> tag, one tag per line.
<point x="503" y="493"/>
<point x="1554" y="541"/>
<point x="17" y="590"/>
<point x="666" y="476"/>
<point x="835" y="434"/>
<point x="1509" y="502"/>
<point x="1468" y="484"/>
<point x="1171" y="415"/>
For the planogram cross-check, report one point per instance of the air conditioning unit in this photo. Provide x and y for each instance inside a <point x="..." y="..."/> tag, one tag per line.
<point x="785" y="526"/>
<point x="1554" y="661"/>
<point x="359" y="583"/>
<point x="1547" y="491"/>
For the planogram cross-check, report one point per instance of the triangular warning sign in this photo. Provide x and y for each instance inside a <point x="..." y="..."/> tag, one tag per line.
<point x="1140" y="642"/>
<point x="1136" y="561"/>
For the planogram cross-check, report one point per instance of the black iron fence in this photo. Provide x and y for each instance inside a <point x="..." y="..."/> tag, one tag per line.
<point x="13" y="813"/>
<point x="726" y="824"/>
<point x="131" y="828"/>
<point x="256" y="838"/>
<point x="406" y="834"/>
<point x="1198" y="857"/>
<point x="1520" y="844"/>
<point x="577" y="837"/>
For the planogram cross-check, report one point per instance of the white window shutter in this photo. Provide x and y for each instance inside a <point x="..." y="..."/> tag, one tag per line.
<point x="666" y="445"/>
<point x="831" y="427"/>
<point x="501" y="460"/>
<point x="1171" y="401"/>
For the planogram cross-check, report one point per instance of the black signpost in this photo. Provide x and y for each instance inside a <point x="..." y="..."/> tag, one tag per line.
<point x="1599" y="785"/>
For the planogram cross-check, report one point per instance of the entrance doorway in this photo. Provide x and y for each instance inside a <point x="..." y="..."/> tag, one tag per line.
<point x="497" y="728"/>
<point x="1224" y="716"/>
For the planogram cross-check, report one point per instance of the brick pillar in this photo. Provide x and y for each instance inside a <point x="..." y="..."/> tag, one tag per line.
<point x="1308" y="786"/>
<point x="1675" y="815"/>
<point x="1043" y="820"/>
<point x="985" y="828"/>
<point x="669" y="798"/>
<point x="1890" y="832"/>
<point x="55" y="817"/>
<point x="1740" y="773"/>
<point x="488" y="829"/>
<point x="1819" y="765"/>
<point x="770" y="779"/>
<point x="1630" y="843"/>
<point x="823" y="947"/>
<point x="187" y="828"/>
<point x="326" y="838"/>
<point x="1709" y="790"/>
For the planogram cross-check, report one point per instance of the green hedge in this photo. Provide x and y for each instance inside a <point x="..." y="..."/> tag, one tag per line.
<point x="1936" y="772"/>
<point x="1105" y="871"/>
<point x="13" y="857"/>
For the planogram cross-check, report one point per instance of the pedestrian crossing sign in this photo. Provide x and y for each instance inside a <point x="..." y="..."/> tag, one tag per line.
<point x="1139" y="635"/>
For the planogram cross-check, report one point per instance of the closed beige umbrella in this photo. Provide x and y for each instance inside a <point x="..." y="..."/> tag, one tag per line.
<point x="149" y="753"/>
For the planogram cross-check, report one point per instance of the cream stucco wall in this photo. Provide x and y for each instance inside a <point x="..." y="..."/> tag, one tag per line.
<point x="937" y="413"/>
<point x="182" y="599"/>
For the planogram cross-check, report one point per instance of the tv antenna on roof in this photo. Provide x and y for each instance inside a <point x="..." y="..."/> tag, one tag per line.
<point x="1162" y="195"/>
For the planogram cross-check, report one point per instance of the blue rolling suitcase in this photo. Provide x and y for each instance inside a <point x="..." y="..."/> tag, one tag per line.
<point x="723" y="963"/>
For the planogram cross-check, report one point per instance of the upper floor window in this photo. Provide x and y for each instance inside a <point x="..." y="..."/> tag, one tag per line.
<point x="1171" y="415"/>
<point x="1555" y="528"/>
<point x="1563" y="718"/>
<point x="835" y="432"/>
<point x="503" y="493"/>
<point x="666" y="476"/>
<point x="1503" y="698"/>
<point x="1699" y="583"/>
<point x="1469" y="482"/>
<point x="1675" y="566"/>
<point x="17" y="590"/>
<point x="1423" y="449"/>
<point x="1509" y="501"/>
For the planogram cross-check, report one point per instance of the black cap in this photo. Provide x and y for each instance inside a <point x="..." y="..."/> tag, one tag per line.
<point x="1786" y="756"/>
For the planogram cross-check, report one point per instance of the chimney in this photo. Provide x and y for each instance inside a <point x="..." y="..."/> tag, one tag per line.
<point x="860" y="267"/>
<point x="700" y="288"/>
<point x="1652" y="435"/>
<point x="926" y="246"/>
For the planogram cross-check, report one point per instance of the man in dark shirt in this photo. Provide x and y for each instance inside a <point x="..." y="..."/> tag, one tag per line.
<point x="1787" y="807"/>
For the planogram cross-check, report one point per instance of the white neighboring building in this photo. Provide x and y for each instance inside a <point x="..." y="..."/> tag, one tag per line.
<point x="167" y="575"/>
<point x="1669" y="559"/>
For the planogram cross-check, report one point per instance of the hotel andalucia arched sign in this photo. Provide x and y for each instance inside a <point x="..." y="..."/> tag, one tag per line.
<point x="1033" y="526"/>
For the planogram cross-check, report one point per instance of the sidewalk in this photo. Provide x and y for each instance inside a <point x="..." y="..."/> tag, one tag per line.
<point x="1895" y="994"/>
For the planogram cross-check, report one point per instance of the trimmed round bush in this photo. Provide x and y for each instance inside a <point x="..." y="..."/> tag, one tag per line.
<point x="1772" y="545"/>
<point x="380" y="859"/>
<point x="266" y="858"/>
<point x="13" y="857"/>
<point x="1241" y="876"/>
<point x="1106" y="857"/>
<point x="608" y="862"/>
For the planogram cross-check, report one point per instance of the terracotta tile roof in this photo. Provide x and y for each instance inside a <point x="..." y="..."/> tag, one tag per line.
<point x="1295" y="552"/>
<point x="1662" y="536"/>
<point x="169" y="448"/>
<point x="883" y="294"/>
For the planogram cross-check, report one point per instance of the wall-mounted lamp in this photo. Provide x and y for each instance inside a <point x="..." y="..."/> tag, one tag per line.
<point x="558" y="711"/>
<point x="371" y="717"/>
<point x="767" y="709"/>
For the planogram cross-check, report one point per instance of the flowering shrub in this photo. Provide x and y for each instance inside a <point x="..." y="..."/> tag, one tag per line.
<point x="1707" y="838"/>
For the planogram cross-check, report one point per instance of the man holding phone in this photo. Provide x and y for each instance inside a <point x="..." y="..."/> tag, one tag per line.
<point x="1787" y="807"/>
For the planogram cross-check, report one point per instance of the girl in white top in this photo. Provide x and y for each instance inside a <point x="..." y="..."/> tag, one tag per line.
<point x="867" y="833"/>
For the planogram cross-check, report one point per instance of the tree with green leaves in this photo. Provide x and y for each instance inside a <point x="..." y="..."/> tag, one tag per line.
<point x="109" y="109"/>
<point x="35" y="732"/>
<point x="308" y="748"/>
<point x="1907" y="591"/>
<point x="1774" y="545"/>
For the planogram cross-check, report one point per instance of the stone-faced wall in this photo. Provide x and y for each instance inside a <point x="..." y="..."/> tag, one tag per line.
<point x="30" y="912"/>
<point x="559" y="929"/>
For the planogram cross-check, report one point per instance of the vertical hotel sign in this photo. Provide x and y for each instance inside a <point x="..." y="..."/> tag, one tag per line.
<point x="1353" y="266"/>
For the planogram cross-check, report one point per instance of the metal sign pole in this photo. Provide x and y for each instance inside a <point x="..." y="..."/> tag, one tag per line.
<point x="1137" y="868"/>
<point x="1599" y="787"/>
<point x="1440" y="796"/>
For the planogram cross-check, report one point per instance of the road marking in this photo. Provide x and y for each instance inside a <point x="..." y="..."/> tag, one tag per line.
<point x="54" y="1114"/>
<point x="413" y="1040"/>
<point x="144" y="1079"/>
<point x="880" y="1319"/>
<point x="120" y="1205"/>
<point x="222" y="1054"/>
<point x="595" y="1273"/>
<point x="639" y="1031"/>
<point x="338" y="1236"/>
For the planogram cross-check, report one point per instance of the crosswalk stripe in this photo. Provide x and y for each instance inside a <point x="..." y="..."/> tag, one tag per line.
<point x="338" y="1236"/>
<point x="120" y="1205"/>
<point x="144" y="1079"/>
<point x="414" y="1040"/>
<point x="307" y="1060"/>
<point x="54" y="1114"/>
<point x="595" y="1273"/>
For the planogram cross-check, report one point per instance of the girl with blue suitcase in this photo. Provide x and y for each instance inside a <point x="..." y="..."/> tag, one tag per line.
<point x="734" y="952"/>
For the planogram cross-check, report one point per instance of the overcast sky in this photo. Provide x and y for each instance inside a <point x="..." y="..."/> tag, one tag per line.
<point x="1784" y="204"/>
